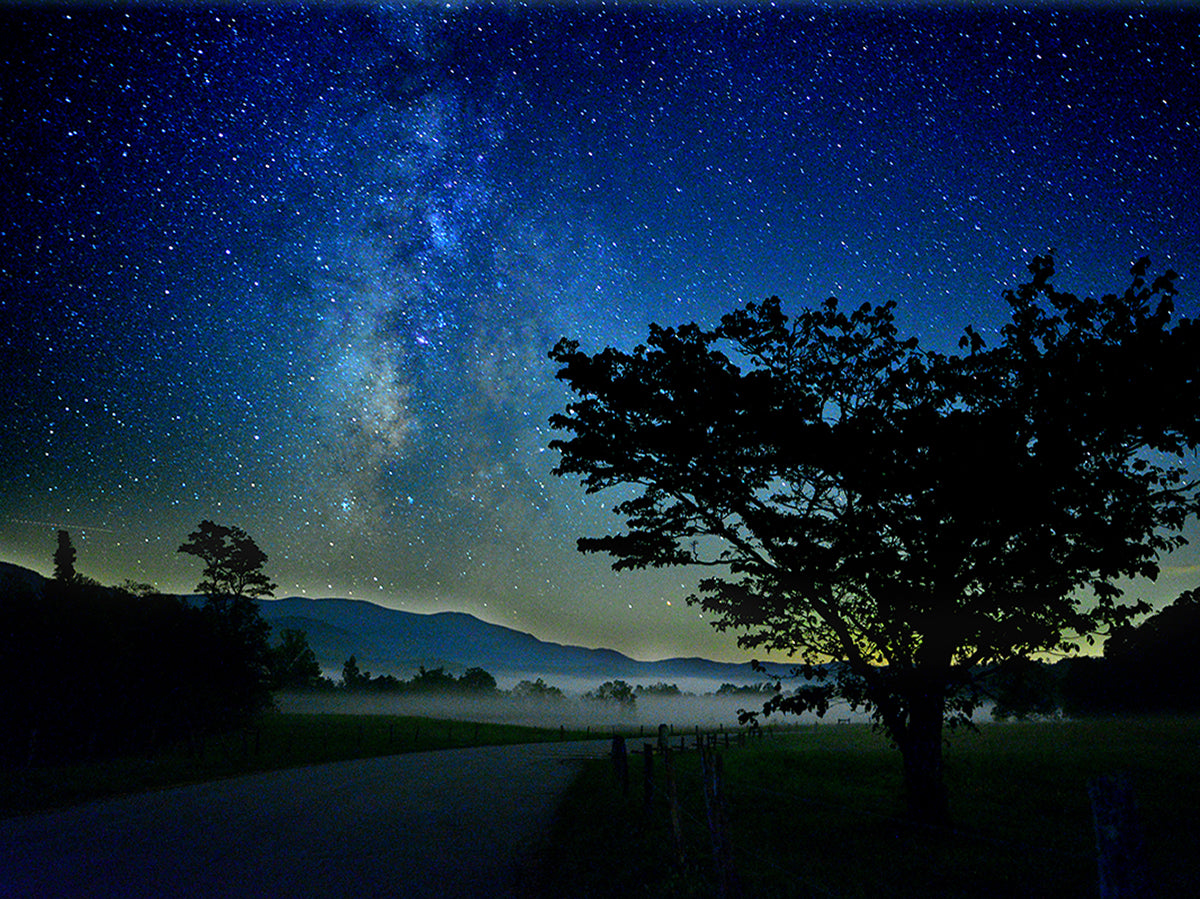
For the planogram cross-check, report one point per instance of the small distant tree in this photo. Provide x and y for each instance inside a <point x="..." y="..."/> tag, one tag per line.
<point x="352" y="677"/>
<point x="537" y="689"/>
<point x="476" y="680"/>
<point x="613" y="691"/>
<point x="747" y="689"/>
<point x="1022" y="688"/>
<point x="64" y="560"/>
<point x="916" y="516"/>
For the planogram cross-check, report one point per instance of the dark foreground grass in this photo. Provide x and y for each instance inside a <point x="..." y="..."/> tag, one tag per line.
<point x="275" y="741"/>
<point x="818" y="813"/>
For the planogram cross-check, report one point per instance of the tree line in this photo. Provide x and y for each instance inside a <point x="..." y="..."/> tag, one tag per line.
<point x="432" y="682"/>
<point x="94" y="670"/>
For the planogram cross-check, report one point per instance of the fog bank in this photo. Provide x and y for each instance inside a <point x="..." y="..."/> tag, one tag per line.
<point x="649" y="711"/>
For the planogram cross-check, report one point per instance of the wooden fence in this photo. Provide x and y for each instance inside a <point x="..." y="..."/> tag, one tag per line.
<point x="1121" y="861"/>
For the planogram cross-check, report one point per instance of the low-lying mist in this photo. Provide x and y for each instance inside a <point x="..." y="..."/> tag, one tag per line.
<point x="683" y="712"/>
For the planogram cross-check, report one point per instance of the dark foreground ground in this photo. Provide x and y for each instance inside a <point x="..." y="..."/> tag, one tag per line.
<point x="455" y="823"/>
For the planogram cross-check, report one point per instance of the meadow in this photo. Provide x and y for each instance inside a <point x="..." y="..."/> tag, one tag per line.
<point x="817" y="812"/>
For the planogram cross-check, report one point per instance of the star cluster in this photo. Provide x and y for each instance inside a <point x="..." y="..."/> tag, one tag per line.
<point x="297" y="269"/>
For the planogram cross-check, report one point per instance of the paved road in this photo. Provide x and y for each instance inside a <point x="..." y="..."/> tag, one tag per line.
<point x="438" y="824"/>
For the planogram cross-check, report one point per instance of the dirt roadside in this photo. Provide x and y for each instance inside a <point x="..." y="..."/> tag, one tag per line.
<point x="437" y="824"/>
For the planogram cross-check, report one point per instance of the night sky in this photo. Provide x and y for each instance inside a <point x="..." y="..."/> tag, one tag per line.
<point x="298" y="270"/>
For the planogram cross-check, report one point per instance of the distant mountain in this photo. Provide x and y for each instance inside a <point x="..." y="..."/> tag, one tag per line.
<point x="390" y="641"/>
<point x="387" y="640"/>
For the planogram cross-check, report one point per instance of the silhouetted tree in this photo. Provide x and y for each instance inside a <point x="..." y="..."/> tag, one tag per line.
<point x="433" y="680"/>
<point x="1153" y="667"/>
<point x="659" y="689"/>
<point x="233" y="578"/>
<point x="1022" y="688"/>
<point x="737" y="689"/>
<point x="476" y="680"/>
<point x="64" y="559"/>
<point x="352" y="677"/>
<point x="911" y="514"/>
<point x="294" y="665"/>
<point x="537" y="689"/>
<point x="233" y="563"/>
<point x="613" y="691"/>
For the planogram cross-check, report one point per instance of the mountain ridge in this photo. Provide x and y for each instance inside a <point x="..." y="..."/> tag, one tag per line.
<point x="401" y="641"/>
<point x="384" y="640"/>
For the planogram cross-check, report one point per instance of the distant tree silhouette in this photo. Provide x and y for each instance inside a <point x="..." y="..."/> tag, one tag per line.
<point x="294" y="665"/>
<point x="352" y="677"/>
<point x="742" y="689"/>
<point x="233" y="563"/>
<point x="914" y="515"/>
<point x="1151" y="667"/>
<point x="659" y="689"/>
<point x="476" y="680"/>
<point x="537" y="689"/>
<point x="433" y="680"/>
<point x="613" y="691"/>
<point x="1021" y="688"/>
<point x="64" y="559"/>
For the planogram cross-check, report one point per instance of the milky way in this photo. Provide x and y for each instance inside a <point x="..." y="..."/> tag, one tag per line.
<point x="298" y="269"/>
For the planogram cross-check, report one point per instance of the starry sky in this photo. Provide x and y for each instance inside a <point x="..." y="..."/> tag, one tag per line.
<point x="297" y="269"/>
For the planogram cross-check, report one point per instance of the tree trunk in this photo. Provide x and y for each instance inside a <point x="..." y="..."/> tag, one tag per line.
<point x="921" y="746"/>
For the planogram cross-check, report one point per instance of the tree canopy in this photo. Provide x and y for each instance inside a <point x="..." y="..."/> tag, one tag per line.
<point x="910" y="514"/>
<point x="233" y="563"/>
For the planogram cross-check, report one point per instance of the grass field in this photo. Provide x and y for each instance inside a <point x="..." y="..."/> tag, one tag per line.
<point x="817" y="812"/>
<point x="275" y="741"/>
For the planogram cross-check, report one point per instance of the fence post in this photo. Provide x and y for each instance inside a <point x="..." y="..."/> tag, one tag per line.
<point x="648" y="775"/>
<point x="1121" y="854"/>
<point x="714" y="804"/>
<point x="620" y="760"/>
<point x="673" y="804"/>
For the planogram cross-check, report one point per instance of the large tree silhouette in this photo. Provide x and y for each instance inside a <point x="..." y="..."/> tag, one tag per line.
<point x="911" y="514"/>
<point x="233" y="579"/>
